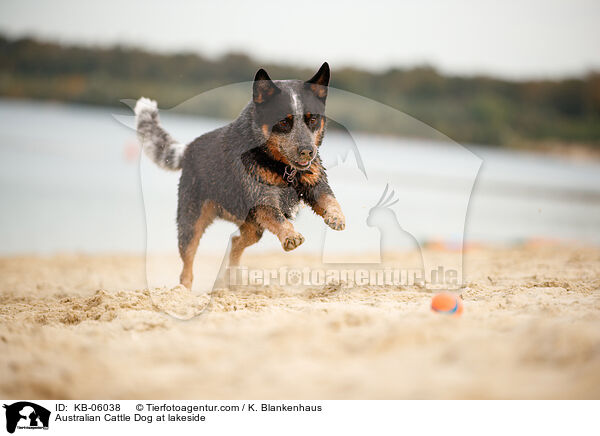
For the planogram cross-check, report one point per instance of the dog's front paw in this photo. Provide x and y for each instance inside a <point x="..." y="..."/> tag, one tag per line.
<point x="335" y="219"/>
<point x="292" y="241"/>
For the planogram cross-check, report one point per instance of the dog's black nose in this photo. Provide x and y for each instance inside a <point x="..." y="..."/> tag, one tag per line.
<point x="306" y="153"/>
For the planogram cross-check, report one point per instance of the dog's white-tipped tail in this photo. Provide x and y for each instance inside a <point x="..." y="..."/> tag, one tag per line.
<point x="156" y="142"/>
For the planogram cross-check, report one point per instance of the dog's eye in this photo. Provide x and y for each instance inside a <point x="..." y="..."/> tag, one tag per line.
<point x="284" y="124"/>
<point x="312" y="120"/>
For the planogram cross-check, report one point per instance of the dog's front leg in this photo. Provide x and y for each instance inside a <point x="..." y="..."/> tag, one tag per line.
<point x="328" y="207"/>
<point x="274" y="221"/>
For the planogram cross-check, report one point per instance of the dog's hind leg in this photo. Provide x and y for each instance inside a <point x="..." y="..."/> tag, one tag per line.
<point x="250" y="233"/>
<point x="191" y="226"/>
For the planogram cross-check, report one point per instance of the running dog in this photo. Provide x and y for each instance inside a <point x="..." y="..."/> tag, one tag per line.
<point x="254" y="171"/>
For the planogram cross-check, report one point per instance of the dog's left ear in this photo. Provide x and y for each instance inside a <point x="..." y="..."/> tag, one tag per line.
<point x="263" y="88"/>
<point x="319" y="82"/>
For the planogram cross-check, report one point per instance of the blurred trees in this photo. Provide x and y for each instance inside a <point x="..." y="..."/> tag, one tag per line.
<point x="477" y="109"/>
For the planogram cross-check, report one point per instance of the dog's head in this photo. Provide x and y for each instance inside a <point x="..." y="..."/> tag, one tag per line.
<point x="291" y="116"/>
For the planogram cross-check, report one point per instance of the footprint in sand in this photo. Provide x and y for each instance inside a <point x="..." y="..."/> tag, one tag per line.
<point x="179" y="302"/>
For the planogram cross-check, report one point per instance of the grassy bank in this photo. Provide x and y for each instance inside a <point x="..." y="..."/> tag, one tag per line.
<point x="480" y="110"/>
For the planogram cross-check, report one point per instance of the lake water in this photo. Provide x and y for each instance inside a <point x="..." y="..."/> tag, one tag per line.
<point x="70" y="181"/>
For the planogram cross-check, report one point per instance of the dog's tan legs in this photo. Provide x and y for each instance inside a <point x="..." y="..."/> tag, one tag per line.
<point x="274" y="221"/>
<point x="188" y="250"/>
<point x="250" y="233"/>
<point x="331" y="211"/>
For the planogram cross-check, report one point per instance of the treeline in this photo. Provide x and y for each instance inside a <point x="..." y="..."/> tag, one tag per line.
<point x="480" y="110"/>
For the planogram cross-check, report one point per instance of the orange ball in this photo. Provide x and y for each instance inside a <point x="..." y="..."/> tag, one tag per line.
<point x="447" y="303"/>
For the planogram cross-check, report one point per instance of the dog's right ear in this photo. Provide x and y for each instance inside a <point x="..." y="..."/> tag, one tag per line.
<point x="319" y="82"/>
<point x="263" y="88"/>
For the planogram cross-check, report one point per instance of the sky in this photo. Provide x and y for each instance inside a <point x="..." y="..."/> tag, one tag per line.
<point x="519" y="39"/>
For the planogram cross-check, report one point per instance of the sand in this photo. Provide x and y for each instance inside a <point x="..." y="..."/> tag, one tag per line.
<point x="77" y="327"/>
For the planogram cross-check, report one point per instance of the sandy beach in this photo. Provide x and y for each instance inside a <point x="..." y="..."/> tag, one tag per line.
<point x="85" y="327"/>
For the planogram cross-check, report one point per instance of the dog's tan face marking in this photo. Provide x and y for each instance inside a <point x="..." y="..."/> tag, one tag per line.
<point x="277" y="141"/>
<point x="320" y="133"/>
<point x="273" y="145"/>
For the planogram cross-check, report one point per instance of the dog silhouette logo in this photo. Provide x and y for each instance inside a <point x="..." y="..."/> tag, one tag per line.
<point x="26" y="415"/>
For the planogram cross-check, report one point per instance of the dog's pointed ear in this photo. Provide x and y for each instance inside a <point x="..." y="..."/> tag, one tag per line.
<point x="319" y="82"/>
<point x="263" y="88"/>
